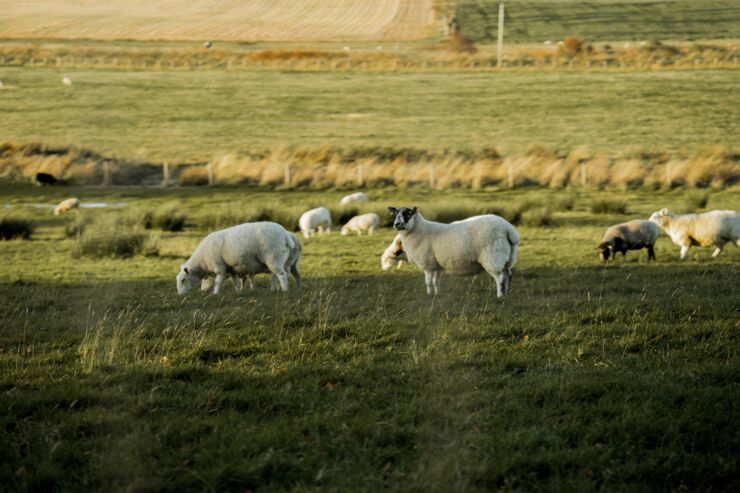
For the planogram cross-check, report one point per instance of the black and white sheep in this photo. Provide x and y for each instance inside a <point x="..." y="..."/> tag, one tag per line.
<point x="467" y="247"/>
<point x="368" y="223"/>
<point x="632" y="235"/>
<point x="243" y="250"/>
<point x="713" y="228"/>
<point x="318" y="219"/>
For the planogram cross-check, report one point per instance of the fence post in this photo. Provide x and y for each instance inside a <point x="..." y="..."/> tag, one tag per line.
<point x="500" y="44"/>
<point x="286" y="171"/>
<point x="431" y="175"/>
<point x="511" y="174"/>
<point x="106" y="173"/>
<point x="360" y="176"/>
<point x="211" y="178"/>
<point x="583" y="175"/>
<point x="165" y="174"/>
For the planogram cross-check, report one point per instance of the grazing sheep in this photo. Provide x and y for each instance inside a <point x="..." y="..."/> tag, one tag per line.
<point x="67" y="205"/>
<point x="66" y="81"/>
<point x="243" y="250"/>
<point x="318" y="219"/>
<point x="632" y="235"/>
<point x="713" y="228"/>
<point x="364" y="222"/>
<point x="354" y="197"/>
<point x="393" y="255"/>
<point x="467" y="247"/>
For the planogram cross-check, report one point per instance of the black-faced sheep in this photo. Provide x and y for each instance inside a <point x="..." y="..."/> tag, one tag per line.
<point x="632" y="235"/>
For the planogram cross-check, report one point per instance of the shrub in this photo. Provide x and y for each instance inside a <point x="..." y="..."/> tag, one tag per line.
<point x="538" y="217"/>
<point x="76" y="227"/>
<point x="607" y="206"/>
<point x="114" y="238"/>
<point x="564" y="204"/>
<point x="697" y="200"/>
<point x="166" y="219"/>
<point x="12" y="227"/>
<point x="194" y="177"/>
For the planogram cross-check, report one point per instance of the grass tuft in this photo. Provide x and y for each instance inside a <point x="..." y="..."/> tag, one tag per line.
<point x="114" y="237"/>
<point x="14" y="227"/>
<point x="606" y="206"/>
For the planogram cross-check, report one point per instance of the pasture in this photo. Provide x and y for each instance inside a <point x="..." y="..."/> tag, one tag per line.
<point x="587" y="377"/>
<point x="198" y="115"/>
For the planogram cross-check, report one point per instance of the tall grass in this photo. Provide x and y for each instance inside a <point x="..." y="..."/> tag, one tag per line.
<point x="115" y="237"/>
<point x="15" y="227"/>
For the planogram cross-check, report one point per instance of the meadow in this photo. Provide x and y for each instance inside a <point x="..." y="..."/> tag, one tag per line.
<point x="587" y="377"/>
<point x="194" y="116"/>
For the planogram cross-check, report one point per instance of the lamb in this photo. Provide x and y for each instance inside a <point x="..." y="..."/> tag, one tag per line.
<point x="314" y="220"/>
<point x="713" y="228"/>
<point x="364" y="222"/>
<point x="632" y="235"/>
<point x="243" y="250"/>
<point x="393" y="255"/>
<point x="354" y="197"/>
<point x="466" y="247"/>
<point x="67" y="205"/>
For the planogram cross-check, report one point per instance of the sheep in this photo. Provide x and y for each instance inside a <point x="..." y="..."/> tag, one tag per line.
<point x="364" y="222"/>
<point x="67" y="205"/>
<point x="713" y="228"/>
<point x="315" y="220"/>
<point x="243" y="250"/>
<point x="353" y="197"/>
<point x="66" y="80"/>
<point x="467" y="247"/>
<point x="632" y="235"/>
<point x="393" y="255"/>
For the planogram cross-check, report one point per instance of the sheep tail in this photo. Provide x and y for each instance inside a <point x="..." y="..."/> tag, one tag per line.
<point x="513" y="237"/>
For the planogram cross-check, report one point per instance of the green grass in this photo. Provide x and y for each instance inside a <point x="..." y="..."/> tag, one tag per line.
<point x="601" y="20"/>
<point x="585" y="378"/>
<point x="194" y="116"/>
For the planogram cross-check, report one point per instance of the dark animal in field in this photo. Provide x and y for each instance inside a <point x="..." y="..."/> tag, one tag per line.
<point x="632" y="235"/>
<point x="45" y="179"/>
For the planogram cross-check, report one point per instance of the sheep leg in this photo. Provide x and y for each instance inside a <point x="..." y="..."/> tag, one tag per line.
<point x="428" y="280"/>
<point x="717" y="251"/>
<point x="296" y="274"/>
<point x="250" y="278"/>
<point x="282" y="278"/>
<point x="273" y="283"/>
<point x="436" y="279"/>
<point x="495" y="263"/>
<point x="684" y="251"/>
<point x="238" y="286"/>
<point x="651" y="252"/>
<point x="218" y="283"/>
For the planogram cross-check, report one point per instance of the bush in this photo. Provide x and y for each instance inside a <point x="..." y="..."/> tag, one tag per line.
<point x="606" y="206"/>
<point x="76" y="227"/>
<point x="114" y="238"/>
<point x="166" y="219"/>
<point x="194" y="177"/>
<point x="12" y="227"/>
<point x="538" y="217"/>
<point x="697" y="200"/>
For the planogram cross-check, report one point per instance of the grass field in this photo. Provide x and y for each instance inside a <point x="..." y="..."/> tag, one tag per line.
<point x="600" y="20"/>
<point x="196" y="115"/>
<point x="587" y="377"/>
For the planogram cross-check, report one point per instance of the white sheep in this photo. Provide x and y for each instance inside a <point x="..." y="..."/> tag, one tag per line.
<point x="67" y="205"/>
<point x="354" y="197"/>
<point x="318" y="219"/>
<point x="632" y="235"/>
<point x="243" y="250"/>
<point x="369" y="223"/>
<point x="467" y="247"/>
<point x="66" y="80"/>
<point x="393" y="255"/>
<point x="713" y="228"/>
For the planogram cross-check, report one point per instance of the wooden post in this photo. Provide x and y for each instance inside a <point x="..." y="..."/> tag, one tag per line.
<point x="431" y="175"/>
<point x="211" y="178"/>
<point x="286" y="170"/>
<point x="500" y="45"/>
<point x="106" y="173"/>
<point x="360" y="176"/>
<point x="583" y="175"/>
<point x="511" y="174"/>
<point x="165" y="174"/>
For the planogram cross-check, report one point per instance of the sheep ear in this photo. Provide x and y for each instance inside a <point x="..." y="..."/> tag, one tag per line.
<point x="416" y="209"/>
<point x="392" y="210"/>
<point x="664" y="212"/>
<point x="185" y="269"/>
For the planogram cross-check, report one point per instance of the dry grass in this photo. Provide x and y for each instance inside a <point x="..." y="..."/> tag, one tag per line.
<point x="328" y="167"/>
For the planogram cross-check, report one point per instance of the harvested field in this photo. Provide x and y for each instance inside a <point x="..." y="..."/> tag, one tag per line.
<point x="252" y="20"/>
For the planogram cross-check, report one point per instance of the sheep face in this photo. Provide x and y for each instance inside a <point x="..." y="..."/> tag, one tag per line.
<point x="661" y="217"/>
<point x="405" y="217"/>
<point x="345" y="231"/>
<point x="604" y="250"/>
<point x="185" y="280"/>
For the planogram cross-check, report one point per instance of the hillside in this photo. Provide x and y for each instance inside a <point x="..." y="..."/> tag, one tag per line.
<point x="239" y="20"/>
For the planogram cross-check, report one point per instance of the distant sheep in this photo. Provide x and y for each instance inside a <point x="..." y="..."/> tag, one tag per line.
<point x="468" y="247"/>
<point x="247" y="249"/>
<point x="713" y="228"/>
<point x="632" y="235"/>
<point x="67" y="205"/>
<point x="318" y="219"/>
<point x="393" y="255"/>
<point x="363" y="223"/>
<point x="66" y="81"/>
<point x="354" y="197"/>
